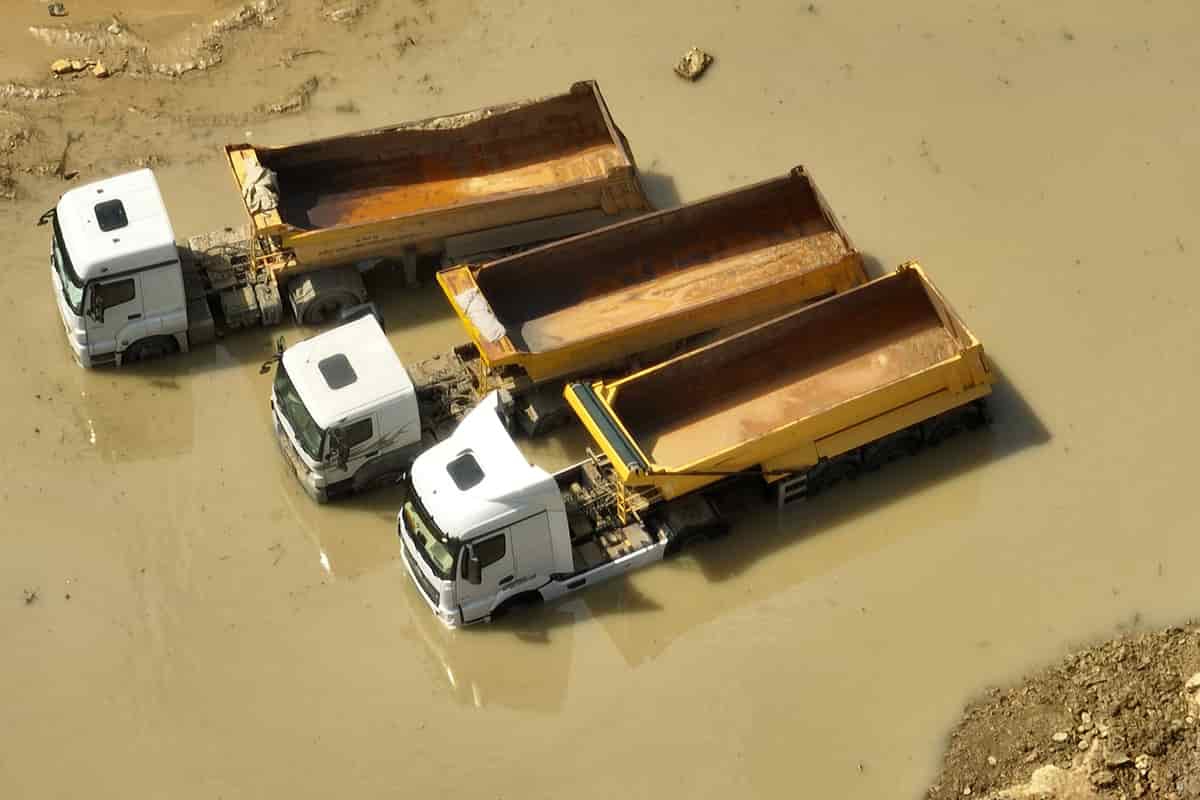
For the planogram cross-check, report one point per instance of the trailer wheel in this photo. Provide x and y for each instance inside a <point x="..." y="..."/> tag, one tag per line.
<point x="899" y="445"/>
<point x="320" y="296"/>
<point x="946" y="425"/>
<point x="828" y="474"/>
<point x="147" y="349"/>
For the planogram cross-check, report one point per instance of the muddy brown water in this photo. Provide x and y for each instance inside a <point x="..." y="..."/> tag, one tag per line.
<point x="223" y="637"/>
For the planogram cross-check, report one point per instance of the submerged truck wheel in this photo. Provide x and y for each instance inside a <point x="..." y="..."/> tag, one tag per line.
<point x="523" y="600"/>
<point x="147" y="349"/>
<point x="322" y="295"/>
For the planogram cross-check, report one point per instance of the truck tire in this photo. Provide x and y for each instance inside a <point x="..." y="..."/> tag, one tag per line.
<point x="150" y="348"/>
<point x="320" y="296"/>
<point x="901" y="444"/>
<point x="516" y="603"/>
<point x="830" y="472"/>
<point x="379" y="480"/>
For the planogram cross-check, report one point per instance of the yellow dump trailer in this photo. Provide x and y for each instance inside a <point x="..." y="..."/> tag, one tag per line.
<point x="593" y="301"/>
<point x="803" y="400"/>
<point x="811" y="396"/>
<point x="411" y="187"/>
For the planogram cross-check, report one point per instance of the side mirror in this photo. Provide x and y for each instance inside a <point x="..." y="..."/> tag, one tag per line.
<point x="340" y="451"/>
<point x="266" y="365"/>
<point x="474" y="568"/>
<point x="95" y="306"/>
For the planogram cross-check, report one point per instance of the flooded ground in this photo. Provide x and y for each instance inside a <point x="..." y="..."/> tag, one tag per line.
<point x="182" y="621"/>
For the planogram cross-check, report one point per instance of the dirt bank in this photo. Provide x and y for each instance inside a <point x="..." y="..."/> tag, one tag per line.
<point x="98" y="92"/>
<point x="1118" y="720"/>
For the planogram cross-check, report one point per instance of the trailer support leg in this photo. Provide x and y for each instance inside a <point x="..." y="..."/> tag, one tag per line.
<point x="791" y="489"/>
<point x="410" y="268"/>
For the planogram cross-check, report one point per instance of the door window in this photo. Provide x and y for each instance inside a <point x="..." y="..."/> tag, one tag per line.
<point x="115" y="293"/>
<point x="489" y="551"/>
<point x="358" y="432"/>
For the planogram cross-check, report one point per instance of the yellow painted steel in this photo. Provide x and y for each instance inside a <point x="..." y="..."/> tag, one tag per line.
<point x="610" y="348"/>
<point x="290" y="251"/>
<point x="800" y="443"/>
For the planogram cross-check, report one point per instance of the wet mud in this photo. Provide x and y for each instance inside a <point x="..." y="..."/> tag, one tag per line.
<point x="181" y="620"/>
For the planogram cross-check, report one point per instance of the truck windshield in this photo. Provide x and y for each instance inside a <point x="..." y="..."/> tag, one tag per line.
<point x="292" y="407"/>
<point x="436" y="549"/>
<point x="72" y="288"/>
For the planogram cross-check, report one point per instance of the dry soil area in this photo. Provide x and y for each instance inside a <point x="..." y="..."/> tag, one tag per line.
<point x="1118" y="720"/>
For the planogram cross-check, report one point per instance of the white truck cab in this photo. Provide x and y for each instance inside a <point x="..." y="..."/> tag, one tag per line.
<point x="116" y="271"/>
<point x="345" y="410"/>
<point x="481" y="526"/>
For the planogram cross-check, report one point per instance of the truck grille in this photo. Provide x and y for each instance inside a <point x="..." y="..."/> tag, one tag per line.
<point x="422" y="581"/>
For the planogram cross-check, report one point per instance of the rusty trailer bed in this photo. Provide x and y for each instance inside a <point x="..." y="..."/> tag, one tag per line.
<point x="583" y="302"/>
<point x="415" y="184"/>
<point x="809" y="384"/>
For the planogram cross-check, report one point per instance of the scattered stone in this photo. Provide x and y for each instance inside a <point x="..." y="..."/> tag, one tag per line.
<point x="1193" y="683"/>
<point x="115" y="27"/>
<point x="1142" y="763"/>
<point x="991" y="760"/>
<point x="1061" y="737"/>
<point x="183" y="67"/>
<point x="100" y="71"/>
<point x="66" y="66"/>
<point x="693" y="64"/>
<point x="57" y="9"/>
<point x="31" y="596"/>
<point x="1103" y="778"/>
<point x="1118" y="759"/>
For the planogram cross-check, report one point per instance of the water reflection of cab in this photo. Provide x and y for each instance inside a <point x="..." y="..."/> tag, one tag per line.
<point x="522" y="662"/>
<point x="771" y="552"/>
<point x="134" y="416"/>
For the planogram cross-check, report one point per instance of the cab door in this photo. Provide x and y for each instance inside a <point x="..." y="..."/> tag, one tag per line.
<point x="498" y="570"/>
<point x="110" y="308"/>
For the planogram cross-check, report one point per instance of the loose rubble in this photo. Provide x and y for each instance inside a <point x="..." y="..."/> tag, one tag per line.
<point x="693" y="64"/>
<point x="93" y="39"/>
<point x="296" y="100"/>
<point x="8" y="186"/>
<point x="346" y="11"/>
<point x="16" y="91"/>
<point x="1118" y="720"/>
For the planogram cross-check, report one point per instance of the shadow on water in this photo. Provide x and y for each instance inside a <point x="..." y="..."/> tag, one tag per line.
<point x="874" y="267"/>
<point x="660" y="189"/>
<point x="1015" y="428"/>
